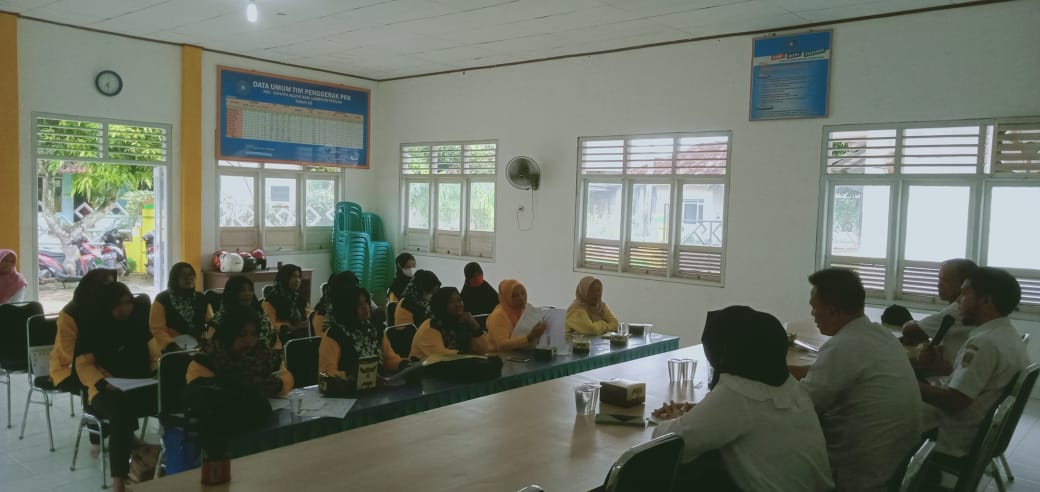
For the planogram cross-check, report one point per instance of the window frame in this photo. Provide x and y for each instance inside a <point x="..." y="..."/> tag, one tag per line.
<point x="426" y="241"/>
<point x="980" y="184"/>
<point x="308" y="239"/>
<point x="672" y="245"/>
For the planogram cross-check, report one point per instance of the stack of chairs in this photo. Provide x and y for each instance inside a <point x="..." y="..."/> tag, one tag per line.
<point x="359" y="244"/>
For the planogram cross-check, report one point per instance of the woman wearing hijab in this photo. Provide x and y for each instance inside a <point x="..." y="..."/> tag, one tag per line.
<point x="757" y="416"/>
<point x="71" y="317"/>
<point x="414" y="307"/>
<point x="405" y="270"/>
<point x="238" y="291"/>
<point x="178" y="310"/>
<point x="451" y="330"/>
<point x="12" y="283"/>
<point x="286" y="308"/>
<point x="512" y="300"/>
<point x="350" y="335"/>
<point x="239" y="359"/>
<point x="588" y="314"/>
<point x="478" y="295"/>
<point x="112" y="345"/>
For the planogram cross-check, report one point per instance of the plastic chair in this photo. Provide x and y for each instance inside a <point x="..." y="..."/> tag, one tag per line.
<point x="301" y="359"/>
<point x="95" y="426"/>
<point x="912" y="480"/>
<point x="481" y="320"/>
<point x="12" y="358"/>
<point x="648" y="466"/>
<point x="983" y="461"/>
<point x="40" y="332"/>
<point x="213" y="297"/>
<point x="173" y="367"/>
<point x="1022" y="390"/>
<point x="400" y="337"/>
<point x="391" y="308"/>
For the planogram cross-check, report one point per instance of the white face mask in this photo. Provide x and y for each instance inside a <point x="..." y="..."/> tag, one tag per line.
<point x="408" y="272"/>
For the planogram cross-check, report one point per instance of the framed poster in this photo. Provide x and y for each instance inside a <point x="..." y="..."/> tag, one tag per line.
<point x="272" y="118"/>
<point x="790" y="76"/>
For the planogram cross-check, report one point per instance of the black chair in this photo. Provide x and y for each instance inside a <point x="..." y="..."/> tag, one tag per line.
<point x="173" y="367"/>
<point x="213" y="297"/>
<point x="481" y="320"/>
<point x="40" y="332"/>
<point x="400" y="337"/>
<point x="391" y="308"/>
<point x="301" y="359"/>
<point x="912" y="479"/>
<point x="648" y="466"/>
<point x="13" y="318"/>
<point x="315" y="331"/>
<point x="1022" y="390"/>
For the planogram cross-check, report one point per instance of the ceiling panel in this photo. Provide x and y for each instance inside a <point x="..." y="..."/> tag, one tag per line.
<point x="393" y="38"/>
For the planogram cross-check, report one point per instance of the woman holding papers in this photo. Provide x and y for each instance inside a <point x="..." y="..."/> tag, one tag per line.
<point x="111" y="345"/>
<point x="588" y="314"/>
<point x="350" y="335"/>
<point x="414" y="307"/>
<point x="451" y="330"/>
<point x="178" y="310"/>
<point x="505" y="318"/>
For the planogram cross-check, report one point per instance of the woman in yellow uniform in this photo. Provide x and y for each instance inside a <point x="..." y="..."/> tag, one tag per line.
<point x="84" y="300"/>
<point x="512" y="300"/>
<point x="350" y="334"/>
<point x="588" y="314"/>
<point x="414" y="307"/>
<point x="178" y="310"/>
<point x="112" y="345"/>
<point x="285" y="306"/>
<point x="405" y="270"/>
<point x="451" y="330"/>
<point x="238" y="291"/>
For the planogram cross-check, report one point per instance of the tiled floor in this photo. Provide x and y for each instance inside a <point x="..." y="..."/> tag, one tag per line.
<point x="29" y="466"/>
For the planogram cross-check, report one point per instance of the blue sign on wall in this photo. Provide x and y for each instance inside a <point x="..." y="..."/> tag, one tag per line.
<point x="270" y="118"/>
<point x="790" y="76"/>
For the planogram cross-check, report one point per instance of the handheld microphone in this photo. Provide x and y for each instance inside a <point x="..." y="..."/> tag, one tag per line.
<point x="944" y="327"/>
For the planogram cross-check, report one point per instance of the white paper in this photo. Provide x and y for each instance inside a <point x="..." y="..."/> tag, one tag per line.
<point x="40" y="359"/>
<point x="556" y="330"/>
<point x="532" y="316"/>
<point x="127" y="384"/>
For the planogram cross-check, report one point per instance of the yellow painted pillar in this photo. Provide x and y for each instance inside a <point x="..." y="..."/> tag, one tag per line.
<point x="191" y="159"/>
<point x="10" y="163"/>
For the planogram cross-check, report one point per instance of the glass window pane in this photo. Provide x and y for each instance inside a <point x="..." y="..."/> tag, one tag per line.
<point x="1014" y="238"/>
<point x="286" y="167"/>
<point x="859" y="224"/>
<point x="449" y="207"/>
<point x="237" y="201"/>
<point x="603" y="211"/>
<point x="937" y="222"/>
<point x="321" y="202"/>
<point x="702" y="214"/>
<point x="418" y="205"/>
<point x="280" y="198"/>
<point x="252" y="165"/>
<point x="650" y="206"/>
<point x="482" y="207"/>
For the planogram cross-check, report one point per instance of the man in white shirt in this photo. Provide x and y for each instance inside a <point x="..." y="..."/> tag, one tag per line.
<point x="862" y="386"/>
<point x="986" y="364"/>
<point x="951" y="275"/>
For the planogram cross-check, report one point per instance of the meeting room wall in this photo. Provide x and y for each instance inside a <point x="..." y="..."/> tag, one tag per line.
<point x="56" y="71"/>
<point x="963" y="63"/>
<point x="355" y="184"/>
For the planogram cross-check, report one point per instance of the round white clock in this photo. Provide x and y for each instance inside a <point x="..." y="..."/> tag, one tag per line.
<point x="108" y="82"/>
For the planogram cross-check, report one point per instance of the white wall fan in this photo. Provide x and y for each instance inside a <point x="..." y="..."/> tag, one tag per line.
<point x="523" y="173"/>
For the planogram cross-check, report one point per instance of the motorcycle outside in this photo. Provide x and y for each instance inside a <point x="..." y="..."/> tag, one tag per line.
<point x="51" y="269"/>
<point x="113" y="253"/>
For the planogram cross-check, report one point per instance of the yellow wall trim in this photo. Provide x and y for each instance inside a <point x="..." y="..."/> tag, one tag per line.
<point x="191" y="159"/>
<point x="10" y="165"/>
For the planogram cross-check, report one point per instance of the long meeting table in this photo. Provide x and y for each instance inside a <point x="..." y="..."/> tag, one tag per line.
<point x="387" y="403"/>
<point x="503" y="441"/>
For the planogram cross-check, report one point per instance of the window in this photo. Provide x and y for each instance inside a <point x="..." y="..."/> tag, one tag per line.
<point x="446" y="186"/>
<point x="901" y="198"/>
<point x="296" y="204"/>
<point x="654" y="205"/>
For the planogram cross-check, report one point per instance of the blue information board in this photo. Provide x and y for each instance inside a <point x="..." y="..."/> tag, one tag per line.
<point x="271" y="118"/>
<point x="790" y="76"/>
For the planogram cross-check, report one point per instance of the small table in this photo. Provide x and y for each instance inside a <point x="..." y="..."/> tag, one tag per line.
<point x="260" y="278"/>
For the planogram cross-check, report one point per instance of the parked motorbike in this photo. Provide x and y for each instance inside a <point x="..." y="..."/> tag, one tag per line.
<point x="113" y="253"/>
<point x="50" y="264"/>
<point x="149" y="266"/>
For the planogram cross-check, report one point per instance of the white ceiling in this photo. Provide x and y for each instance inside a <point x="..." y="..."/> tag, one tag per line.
<point x="382" y="39"/>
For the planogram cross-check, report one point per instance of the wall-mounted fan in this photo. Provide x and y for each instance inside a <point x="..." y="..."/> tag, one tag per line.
<point x="523" y="173"/>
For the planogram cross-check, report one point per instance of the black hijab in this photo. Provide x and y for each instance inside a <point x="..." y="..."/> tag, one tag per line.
<point x="456" y="334"/>
<point x="84" y="298"/>
<point x="743" y="342"/>
<point x="400" y="279"/>
<point x="479" y="299"/>
<point x="288" y="303"/>
<point x="119" y="346"/>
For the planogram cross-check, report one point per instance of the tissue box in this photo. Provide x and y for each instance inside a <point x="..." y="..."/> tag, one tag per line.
<point x="622" y="392"/>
